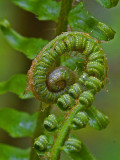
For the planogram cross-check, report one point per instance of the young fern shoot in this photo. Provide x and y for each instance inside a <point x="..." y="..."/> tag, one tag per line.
<point x="73" y="93"/>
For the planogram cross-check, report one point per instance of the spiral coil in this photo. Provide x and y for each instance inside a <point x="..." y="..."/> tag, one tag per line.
<point x="73" y="145"/>
<point x="50" y="123"/>
<point x="80" y="120"/>
<point x="62" y="85"/>
<point x="41" y="143"/>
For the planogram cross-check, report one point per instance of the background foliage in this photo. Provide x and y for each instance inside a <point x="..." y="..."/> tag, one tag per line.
<point x="104" y="144"/>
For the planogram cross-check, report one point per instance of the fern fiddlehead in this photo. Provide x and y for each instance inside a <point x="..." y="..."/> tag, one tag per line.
<point x="60" y="85"/>
<point x="48" y="85"/>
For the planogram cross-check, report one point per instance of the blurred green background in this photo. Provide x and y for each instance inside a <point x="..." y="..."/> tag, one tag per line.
<point x="104" y="144"/>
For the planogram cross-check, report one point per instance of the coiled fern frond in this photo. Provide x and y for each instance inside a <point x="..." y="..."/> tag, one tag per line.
<point x="71" y="91"/>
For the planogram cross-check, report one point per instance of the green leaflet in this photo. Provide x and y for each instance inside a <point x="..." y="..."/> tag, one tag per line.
<point x="108" y="3"/>
<point x="44" y="9"/>
<point x="12" y="153"/>
<point x="29" y="46"/>
<point x="16" y="84"/>
<point x="82" y="154"/>
<point x="97" y="119"/>
<point x="81" y="20"/>
<point x="17" y="124"/>
<point x="74" y="63"/>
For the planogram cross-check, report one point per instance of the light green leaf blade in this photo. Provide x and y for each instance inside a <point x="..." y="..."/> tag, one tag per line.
<point x="16" y="84"/>
<point x="12" y="153"/>
<point x="83" y="154"/>
<point x="75" y="63"/>
<point x="97" y="119"/>
<point x="29" y="46"/>
<point x="81" y="20"/>
<point x="108" y="3"/>
<point x="17" y="124"/>
<point x="44" y="9"/>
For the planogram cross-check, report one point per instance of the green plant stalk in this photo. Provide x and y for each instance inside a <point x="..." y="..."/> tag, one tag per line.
<point x="66" y="6"/>
<point x="62" y="134"/>
<point x="39" y="129"/>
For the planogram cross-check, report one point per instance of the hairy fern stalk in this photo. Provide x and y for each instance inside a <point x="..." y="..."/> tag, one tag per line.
<point x="66" y="73"/>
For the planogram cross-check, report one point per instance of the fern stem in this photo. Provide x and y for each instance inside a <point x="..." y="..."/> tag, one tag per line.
<point x="66" y="6"/>
<point x="55" y="152"/>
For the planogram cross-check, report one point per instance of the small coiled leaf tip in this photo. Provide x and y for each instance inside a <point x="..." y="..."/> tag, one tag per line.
<point x="50" y="123"/>
<point x="93" y="83"/>
<point x="41" y="143"/>
<point x="80" y="120"/>
<point x="75" y="90"/>
<point x="86" y="98"/>
<point x="65" y="102"/>
<point x="73" y="145"/>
